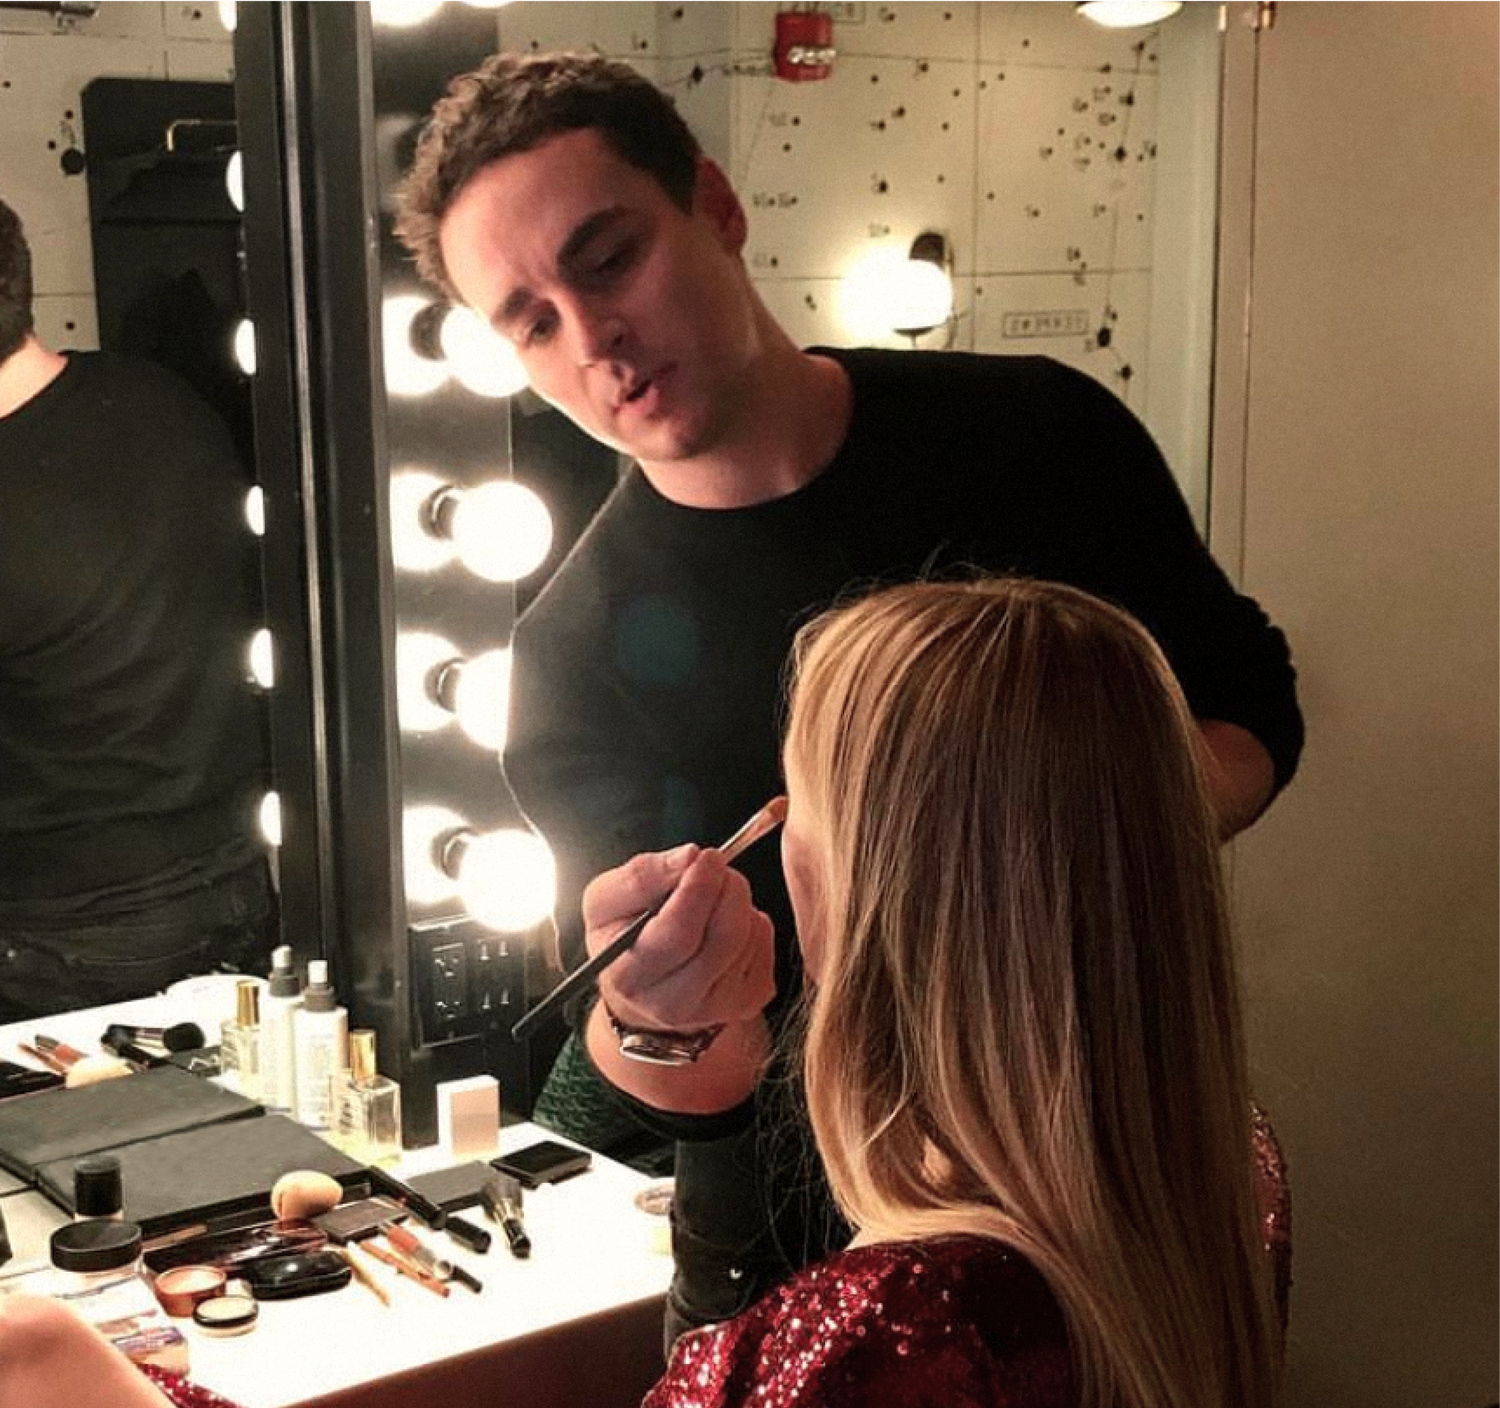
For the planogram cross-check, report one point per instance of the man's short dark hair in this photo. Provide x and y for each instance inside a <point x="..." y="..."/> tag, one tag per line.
<point x="16" y="320"/>
<point x="513" y="103"/>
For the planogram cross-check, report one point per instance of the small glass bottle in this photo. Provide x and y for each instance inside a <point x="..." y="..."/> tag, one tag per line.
<point x="239" y="1039"/>
<point x="366" y="1106"/>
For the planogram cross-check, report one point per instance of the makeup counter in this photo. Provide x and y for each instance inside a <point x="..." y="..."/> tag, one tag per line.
<point x="576" y="1322"/>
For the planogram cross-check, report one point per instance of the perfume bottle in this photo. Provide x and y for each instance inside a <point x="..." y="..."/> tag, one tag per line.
<point x="366" y="1106"/>
<point x="239" y="1039"/>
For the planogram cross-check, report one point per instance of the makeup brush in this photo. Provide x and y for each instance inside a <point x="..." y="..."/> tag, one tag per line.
<point x="183" y="1036"/>
<point x="766" y="820"/>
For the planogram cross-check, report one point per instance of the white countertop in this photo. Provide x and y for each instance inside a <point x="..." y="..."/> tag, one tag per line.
<point x="593" y="1252"/>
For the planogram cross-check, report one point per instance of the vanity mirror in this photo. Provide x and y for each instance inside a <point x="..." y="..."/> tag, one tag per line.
<point x="1053" y="183"/>
<point x="135" y="666"/>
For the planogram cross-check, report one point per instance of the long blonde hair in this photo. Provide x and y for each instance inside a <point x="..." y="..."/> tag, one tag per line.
<point x="1025" y="1022"/>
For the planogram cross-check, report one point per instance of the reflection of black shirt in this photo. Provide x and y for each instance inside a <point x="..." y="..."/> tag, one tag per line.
<point x="648" y="674"/>
<point x="130" y="741"/>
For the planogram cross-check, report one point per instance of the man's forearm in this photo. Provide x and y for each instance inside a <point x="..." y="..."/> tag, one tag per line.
<point x="1241" y="775"/>
<point x="723" y="1077"/>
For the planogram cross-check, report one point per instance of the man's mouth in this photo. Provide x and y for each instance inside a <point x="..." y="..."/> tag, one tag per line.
<point x="635" y="391"/>
<point x="641" y="386"/>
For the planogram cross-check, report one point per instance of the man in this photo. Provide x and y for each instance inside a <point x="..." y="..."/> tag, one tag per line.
<point x="131" y="754"/>
<point x="564" y="200"/>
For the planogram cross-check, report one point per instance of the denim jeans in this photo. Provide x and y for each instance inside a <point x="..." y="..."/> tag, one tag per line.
<point x="225" y="925"/>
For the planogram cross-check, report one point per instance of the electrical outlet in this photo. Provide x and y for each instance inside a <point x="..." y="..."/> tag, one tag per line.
<point x="450" y="982"/>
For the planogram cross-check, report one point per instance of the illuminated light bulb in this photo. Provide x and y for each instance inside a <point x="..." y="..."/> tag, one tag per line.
<point x="425" y="830"/>
<point x="478" y="693"/>
<point x="479" y="358"/>
<point x="244" y="346"/>
<point x="501" y="529"/>
<point x="403" y="14"/>
<point x="407" y="371"/>
<point x="420" y="659"/>
<point x="255" y="510"/>
<point x="886" y="291"/>
<point x="486" y="4"/>
<point x="228" y="14"/>
<point x="507" y="879"/>
<point x="270" y="818"/>
<point x="920" y="299"/>
<point x="234" y="181"/>
<point x="262" y="656"/>
<point x="1128" y="14"/>
<point x="416" y="545"/>
<point x="861" y="298"/>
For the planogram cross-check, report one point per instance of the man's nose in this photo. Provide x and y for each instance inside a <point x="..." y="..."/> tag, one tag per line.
<point x="600" y="334"/>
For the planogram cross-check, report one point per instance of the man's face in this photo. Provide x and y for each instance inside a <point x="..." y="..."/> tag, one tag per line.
<point x="632" y="316"/>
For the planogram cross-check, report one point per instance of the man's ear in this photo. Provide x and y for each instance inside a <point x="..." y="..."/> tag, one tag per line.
<point x="715" y="200"/>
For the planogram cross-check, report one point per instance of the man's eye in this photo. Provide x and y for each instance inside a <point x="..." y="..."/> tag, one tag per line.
<point x="538" y="332"/>
<point x="616" y="260"/>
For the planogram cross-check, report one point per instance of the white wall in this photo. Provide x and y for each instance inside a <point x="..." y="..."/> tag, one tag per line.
<point x="1368" y="896"/>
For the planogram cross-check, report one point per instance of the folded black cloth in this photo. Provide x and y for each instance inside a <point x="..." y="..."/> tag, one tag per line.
<point x="67" y="1124"/>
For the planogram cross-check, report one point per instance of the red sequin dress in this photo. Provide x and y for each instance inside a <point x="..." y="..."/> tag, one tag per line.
<point x="184" y="1393"/>
<point x="949" y="1322"/>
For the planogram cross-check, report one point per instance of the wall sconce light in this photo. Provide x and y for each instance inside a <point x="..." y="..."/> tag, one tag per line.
<point x="506" y="879"/>
<point x="887" y="292"/>
<point x="1128" y="14"/>
<point x="437" y="686"/>
<point x="922" y="298"/>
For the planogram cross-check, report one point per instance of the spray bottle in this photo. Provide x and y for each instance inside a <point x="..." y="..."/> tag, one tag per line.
<point x="320" y="1029"/>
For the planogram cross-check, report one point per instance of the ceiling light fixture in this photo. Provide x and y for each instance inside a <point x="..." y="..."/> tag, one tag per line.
<point x="1128" y="14"/>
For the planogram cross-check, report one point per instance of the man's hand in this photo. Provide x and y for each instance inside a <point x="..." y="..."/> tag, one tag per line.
<point x="707" y="959"/>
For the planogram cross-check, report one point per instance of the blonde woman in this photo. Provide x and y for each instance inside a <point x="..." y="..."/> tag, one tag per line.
<point x="1023" y="1052"/>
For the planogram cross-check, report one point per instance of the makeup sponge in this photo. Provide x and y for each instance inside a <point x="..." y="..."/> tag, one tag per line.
<point x="304" y="1193"/>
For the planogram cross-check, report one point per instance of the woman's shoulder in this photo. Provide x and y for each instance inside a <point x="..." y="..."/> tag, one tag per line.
<point x="960" y="1321"/>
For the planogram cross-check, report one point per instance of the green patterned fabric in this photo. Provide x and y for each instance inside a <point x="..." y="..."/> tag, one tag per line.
<point x="576" y="1103"/>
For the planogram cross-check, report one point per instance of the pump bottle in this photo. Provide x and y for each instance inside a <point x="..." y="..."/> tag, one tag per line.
<point x="320" y="1028"/>
<point x="278" y="1063"/>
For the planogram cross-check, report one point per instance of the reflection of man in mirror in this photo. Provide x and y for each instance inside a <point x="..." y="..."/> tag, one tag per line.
<point x="131" y="749"/>
<point x="565" y="200"/>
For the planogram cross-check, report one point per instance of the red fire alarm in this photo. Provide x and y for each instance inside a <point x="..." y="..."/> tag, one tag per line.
<point x="804" y="45"/>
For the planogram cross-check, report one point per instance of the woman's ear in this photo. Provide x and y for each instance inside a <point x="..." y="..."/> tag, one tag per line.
<point x="715" y="199"/>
